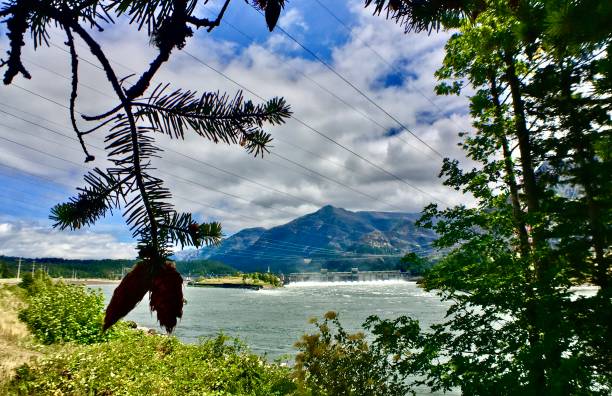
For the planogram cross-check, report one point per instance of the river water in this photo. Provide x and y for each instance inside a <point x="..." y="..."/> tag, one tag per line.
<point x="271" y="321"/>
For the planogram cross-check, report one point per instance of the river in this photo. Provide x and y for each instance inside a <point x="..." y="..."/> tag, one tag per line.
<point x="271" y="321"/>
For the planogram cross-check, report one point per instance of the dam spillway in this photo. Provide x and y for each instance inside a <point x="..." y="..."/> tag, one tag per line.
<point x="348" y="276"/>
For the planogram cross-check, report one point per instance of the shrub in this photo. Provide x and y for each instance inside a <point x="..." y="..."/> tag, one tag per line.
<point x="62" y="313"/>
<point x="35" y="283"/>
<point x="334" y="362"/>
<point x="140" y="364"/>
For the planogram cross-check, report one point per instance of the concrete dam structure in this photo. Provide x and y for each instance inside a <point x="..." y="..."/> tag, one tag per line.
<point x="353" y="276"/>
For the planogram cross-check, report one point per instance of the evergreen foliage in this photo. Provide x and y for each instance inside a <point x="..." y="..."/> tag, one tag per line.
<point x="540" y="75"/>
<point x="130" y="183"/>
<point x="5" y="271"/>
<point x="258" y="277"/>
<point x="106" y="268"/>
<point x="415" y="264"/>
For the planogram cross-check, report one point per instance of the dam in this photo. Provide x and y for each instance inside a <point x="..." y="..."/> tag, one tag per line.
<point x="348" y="276"/>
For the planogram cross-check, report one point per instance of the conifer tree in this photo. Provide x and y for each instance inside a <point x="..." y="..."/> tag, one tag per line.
<point x="140" y="114"/>
<point x="540" y="72"/>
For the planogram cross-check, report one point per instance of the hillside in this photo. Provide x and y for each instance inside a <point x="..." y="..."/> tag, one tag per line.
<point x="111" y="269"/>
<point x="331" y="237"/>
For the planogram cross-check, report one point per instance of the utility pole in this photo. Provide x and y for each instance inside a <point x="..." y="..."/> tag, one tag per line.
<point x="18" y="268"/>
<point x="33" y="266"/>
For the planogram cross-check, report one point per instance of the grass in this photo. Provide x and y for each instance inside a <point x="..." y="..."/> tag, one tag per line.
<point x="131" y="362"/>
<point x="141" y="364"/>
<point x="16" y="343"/>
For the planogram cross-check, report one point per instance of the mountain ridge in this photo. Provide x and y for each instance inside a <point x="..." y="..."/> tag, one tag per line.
<point x="331" y="237"/>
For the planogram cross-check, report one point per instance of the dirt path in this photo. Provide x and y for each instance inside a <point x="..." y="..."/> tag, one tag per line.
<point x="14" y="335"/>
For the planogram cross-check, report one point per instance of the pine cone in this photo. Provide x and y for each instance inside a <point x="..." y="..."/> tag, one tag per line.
<point x="129" y="293"/>
<point x="167" y="296"/>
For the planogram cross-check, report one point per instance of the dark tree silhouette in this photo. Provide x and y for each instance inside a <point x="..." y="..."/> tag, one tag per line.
<point x="540" y="80"/>
<point x="427" y="15"/>
<point x="141" y="113"/>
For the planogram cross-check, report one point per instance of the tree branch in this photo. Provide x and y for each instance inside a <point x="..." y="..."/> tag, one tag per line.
<point x="203" y="22"/>
<point x="112" y="77"/>
<point x="74" y="63"/>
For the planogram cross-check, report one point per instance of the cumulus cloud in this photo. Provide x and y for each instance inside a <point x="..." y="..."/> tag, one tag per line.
<point x="293" y="19"/>
<point x="29" y="239"/>
<point x="269" y="67"/>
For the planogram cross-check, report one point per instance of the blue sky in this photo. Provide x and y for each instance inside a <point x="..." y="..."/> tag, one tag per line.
<point x="271" y="65"/>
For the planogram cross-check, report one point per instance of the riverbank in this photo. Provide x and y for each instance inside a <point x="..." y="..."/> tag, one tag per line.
<point x="78" y="281"/>
<point x="128" y="361"/>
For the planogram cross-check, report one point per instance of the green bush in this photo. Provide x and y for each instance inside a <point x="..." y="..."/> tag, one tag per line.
<point x="263" y="277"/>
<point x="141" y="364"/>
<point x="36" y="282"/>
<point x="334" y="362"/>
<point x="63" y="313"/>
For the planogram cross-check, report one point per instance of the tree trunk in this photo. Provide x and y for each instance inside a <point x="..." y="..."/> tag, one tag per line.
<point x="517" y="212"/>
<point x="536" y="309"/>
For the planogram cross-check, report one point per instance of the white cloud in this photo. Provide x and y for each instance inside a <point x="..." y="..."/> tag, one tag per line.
<point x="291" y="19"/>
<point x="28" y="239"/>
<point x="268" y="75"/>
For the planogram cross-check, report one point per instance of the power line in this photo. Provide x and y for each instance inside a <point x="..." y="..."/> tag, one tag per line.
<point x="238" y="197"/>
<point x="378" y="54"/>
<point x="375" y="199"/>
<point x="101" y="149"/>
<point x="308" y="126"/>
<point x="301" y="122"/>
<point x="111" y="97"/>
<point x="318" y="132"/>
<point x="292" y="245"/>
<point x="326" y="90"/>
<point x="333" y="70"/>
<point x="168" y="149"/>
<point x="274" y="245"/>
<point x="21" y="180"/>
<point x="31" y="62"/>
<point x="232" y="173"/>
<point x="335" y="181"/>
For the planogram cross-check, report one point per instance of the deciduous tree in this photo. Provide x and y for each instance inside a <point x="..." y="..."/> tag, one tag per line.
<point x="540" y="77"/>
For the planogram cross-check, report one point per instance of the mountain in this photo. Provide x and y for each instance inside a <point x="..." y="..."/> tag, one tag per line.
<point x="333" y="238"/>
<point x="239" y="241"/>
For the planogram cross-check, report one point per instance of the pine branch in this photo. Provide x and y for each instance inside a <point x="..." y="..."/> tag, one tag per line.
<point x="203" y="22"/>
<point x="182" y="229"/>
<point x="429" y="15"/>
<point x="136" y="145"/>
<point x="103" y="193"/>
<point x="130" y="146"/>
<point x="213" y="116"/>
<point x="151" y="13"/>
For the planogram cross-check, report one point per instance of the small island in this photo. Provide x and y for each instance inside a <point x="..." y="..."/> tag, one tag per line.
<point x="252" y="281"/>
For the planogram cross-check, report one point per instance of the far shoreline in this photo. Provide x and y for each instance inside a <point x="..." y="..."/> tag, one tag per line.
<point x="78" y="281"/>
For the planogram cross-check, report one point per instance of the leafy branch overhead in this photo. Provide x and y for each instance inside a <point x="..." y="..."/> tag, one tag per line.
<point x="141" y="113"/>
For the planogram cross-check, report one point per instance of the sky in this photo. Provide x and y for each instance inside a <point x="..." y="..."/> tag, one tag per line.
<point x="351" y="61"/>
